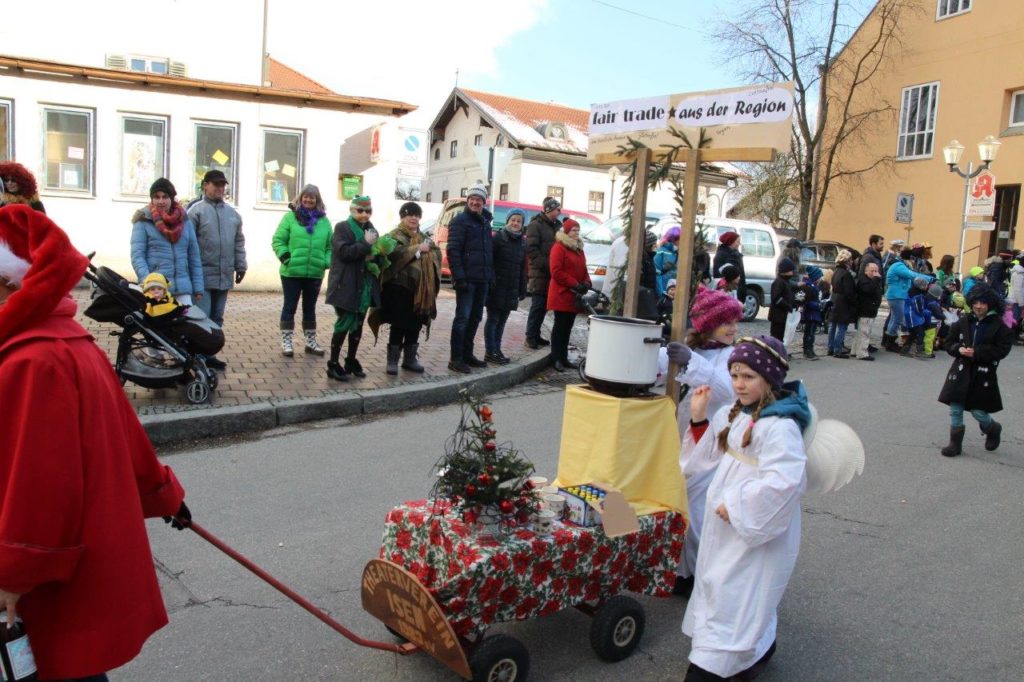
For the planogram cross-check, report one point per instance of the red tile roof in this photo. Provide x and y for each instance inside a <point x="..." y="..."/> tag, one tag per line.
<point x="287" y="78"/>
<point x="532" y="113"/>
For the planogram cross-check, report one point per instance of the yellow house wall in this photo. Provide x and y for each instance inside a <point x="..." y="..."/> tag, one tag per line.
<point x="978" y="60"/>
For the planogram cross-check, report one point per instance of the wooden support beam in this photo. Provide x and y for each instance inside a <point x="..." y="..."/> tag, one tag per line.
<point x="684" y="262"/>
<point x="738" y="154"/>
<point x="636" y="237"/>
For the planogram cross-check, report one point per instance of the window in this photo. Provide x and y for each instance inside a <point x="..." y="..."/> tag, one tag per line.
<point x="68" y="149"/>
<point x="503" y="192"/>
<point x="147" y="65"/>
<point x="556" y="192"/>
<point x="1016" y="109"/>
<point x="478" y="140"/>
<point x="281" y="164"/>
<point x="215" y="150"/>
<point x="949" y="8"/>
<point x="463" y="191"/>
<point x="500" y="142"/>
<point x="444" y="196"/>
<point x="917" y="121"/>
<point x="6" y="132"/>
<point x="437" y="154"/>
<point x="143" y="153"/>
<point x="429" y="198"/>
<point x="453" y="151"/>
<point x="595" y="203"/>
<point x="756" y="243"/>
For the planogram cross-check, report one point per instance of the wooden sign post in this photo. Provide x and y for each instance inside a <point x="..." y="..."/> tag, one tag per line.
<point x="638" y="233"/>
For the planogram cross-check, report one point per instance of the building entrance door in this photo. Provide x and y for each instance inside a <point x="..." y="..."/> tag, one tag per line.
<point x="1006" y="211"/>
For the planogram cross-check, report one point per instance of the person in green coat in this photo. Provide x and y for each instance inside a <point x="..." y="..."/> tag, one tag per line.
<point x="302" y="243"/>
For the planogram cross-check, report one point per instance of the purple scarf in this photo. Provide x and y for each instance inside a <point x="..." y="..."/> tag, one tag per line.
<point x="309" y="218"/>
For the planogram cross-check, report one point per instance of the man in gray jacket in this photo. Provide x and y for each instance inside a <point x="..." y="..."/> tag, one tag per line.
<point x="221" y="248"/>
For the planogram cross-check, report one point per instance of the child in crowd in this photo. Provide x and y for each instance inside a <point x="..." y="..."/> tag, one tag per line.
<point x="667" y="300"/>
<point x="931" y="330"/>
<point x="977" y="342"/>
<point x="729" y="280"/>
<point x="756" y="451"/>
<point x="975" y="275"/>
<point x="703" y="361"/>
<point x="811" y="316"/>
<point x="916" y="318"/>
<point x="783" y="298"/>
<point x="199" y="335"/>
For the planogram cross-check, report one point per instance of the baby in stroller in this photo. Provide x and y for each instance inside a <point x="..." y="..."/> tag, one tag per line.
<point x="169" y="317"/>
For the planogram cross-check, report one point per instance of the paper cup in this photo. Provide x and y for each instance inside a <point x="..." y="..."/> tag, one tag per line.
<point x="548" y="490"/>
<point x="538" y="481"/>
<point x="554" y="503"/>
<point x="543" y="521"/>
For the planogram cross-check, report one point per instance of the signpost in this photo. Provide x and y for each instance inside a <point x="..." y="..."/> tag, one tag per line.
<point x="982" y="197"/>
<point x="744" y="124"/>
<point x="983" y="225"/>
<point x="493" y="161"/>
<point x="905" y="211"/>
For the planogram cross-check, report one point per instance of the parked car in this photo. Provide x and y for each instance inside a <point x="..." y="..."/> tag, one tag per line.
<point x="453" y="207"/>
<point x="760" y="249"/>
<point x="822" y="253"/>
<point x="614" y="226"/>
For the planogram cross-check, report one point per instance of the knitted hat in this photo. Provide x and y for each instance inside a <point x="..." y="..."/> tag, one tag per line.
<point x="983" y="293"/>
<point x="672" y="234"/>
<point x="155" y="279"/>
<point x="568" y="224"/>
<point x="36" y="258"/>
<point x="362" y="201"/>
<point x="729" y="271"/>
<point x="921" y="283"/>
<point x="650" y="239"/>
<point x="21" y="175"/>
<point x="935" y="291"/>
<point x="897" y="242"/>
<point x="163" y="185"/>
<point x="516" y="211"/>
<point x="958" y="299"/>
<point x="785" y="265"/>
<point x="477" y="190"/>
<point x="410" y="208"/>
<point x="671" y="283"/>
<point x="844" y="256"/>
<point x="728" y="239"/>
<point x="766" y="355"/>
<point x="976" y="271"/>
<point x="814" y="273"/>
<point x="1005" y="255"/>
<point x="711" y="309"/>
<point x="550" y="204"/>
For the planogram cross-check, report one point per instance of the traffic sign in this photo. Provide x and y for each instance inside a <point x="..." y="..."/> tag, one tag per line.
<point x="904" y="208"/>
<point x="983" y="225"/>
<point x="982" y="197"/>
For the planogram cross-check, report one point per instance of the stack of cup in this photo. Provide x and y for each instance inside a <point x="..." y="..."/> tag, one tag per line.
<point x="555" y="503"/>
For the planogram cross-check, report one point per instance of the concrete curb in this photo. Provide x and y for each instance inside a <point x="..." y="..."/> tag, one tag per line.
<point x="172" y="427"/>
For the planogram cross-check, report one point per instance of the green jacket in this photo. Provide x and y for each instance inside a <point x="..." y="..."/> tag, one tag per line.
<point x="310" y="254"/>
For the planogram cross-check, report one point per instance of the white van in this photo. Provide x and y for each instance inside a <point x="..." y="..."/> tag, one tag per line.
<point x="759" y="246"/>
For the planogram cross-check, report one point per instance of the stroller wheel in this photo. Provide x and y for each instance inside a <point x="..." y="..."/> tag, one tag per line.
<point x="212" y="379"/>
<point x="197" y="391"/>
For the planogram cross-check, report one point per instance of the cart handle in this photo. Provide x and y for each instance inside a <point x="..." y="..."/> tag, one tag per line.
<point x="404" y="649"/>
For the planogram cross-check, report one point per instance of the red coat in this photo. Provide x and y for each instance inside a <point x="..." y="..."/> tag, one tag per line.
<point x="77" y="476"/>
<point x="568" y="268"/>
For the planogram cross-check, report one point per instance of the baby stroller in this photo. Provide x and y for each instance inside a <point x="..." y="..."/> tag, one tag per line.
<point x="150" y="353"/>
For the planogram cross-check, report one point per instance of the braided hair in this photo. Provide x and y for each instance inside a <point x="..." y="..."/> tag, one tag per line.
<point x="723" y="436"/>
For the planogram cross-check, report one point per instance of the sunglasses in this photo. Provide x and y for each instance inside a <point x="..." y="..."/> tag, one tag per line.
<point x="367" y="211"/>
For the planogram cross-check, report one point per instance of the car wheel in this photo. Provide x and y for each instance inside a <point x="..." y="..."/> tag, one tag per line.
<point x="752" y="304"/>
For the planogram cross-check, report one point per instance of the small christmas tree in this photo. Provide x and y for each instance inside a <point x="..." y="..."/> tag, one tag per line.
<point x="480" y="477"/>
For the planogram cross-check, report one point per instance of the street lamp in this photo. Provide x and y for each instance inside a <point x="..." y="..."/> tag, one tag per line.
<point x="613" y="174"/>
<point x="730" y="185"/>
<point x="987" y="150"/>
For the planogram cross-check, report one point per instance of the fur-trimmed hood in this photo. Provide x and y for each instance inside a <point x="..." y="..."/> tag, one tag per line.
<point x="568" y="242"/>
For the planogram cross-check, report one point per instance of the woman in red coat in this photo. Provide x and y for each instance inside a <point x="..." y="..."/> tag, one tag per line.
<point x="77" y="471"/>
<point x="569" y="276"/>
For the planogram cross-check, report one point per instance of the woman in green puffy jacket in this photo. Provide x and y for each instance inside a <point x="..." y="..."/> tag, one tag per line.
<point x="302" y="243"/>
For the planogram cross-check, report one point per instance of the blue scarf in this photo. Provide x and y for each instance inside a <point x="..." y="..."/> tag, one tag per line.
<point x="309" y="218"/>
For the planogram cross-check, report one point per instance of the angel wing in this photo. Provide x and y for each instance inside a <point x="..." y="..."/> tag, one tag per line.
<point x="835" y="454"/>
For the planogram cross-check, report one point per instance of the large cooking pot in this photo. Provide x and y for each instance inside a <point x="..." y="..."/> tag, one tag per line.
<point x="622" y="354"/>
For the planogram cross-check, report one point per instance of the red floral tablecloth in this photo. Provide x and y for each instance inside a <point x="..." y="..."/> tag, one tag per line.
<point x="478" y="582"/>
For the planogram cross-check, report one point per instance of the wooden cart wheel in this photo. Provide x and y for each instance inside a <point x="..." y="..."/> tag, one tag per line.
<point x="617" y="628"/>
<point x="499" y="658"/>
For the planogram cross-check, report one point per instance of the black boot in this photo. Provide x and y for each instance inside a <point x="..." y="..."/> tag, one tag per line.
<point x="810" y="354"/>
<point x="992" y="434"/>
<point x="889" y="343"/>
<point x="352" y="365"/>
<point x="394" y="351"/>
<point x="956" y="442"/>
<point x="337" y="339"/>
<point x="409" y="360"/>
<point x="336" y="372"/>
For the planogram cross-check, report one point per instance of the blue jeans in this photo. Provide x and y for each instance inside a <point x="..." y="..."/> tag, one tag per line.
<point x="956" y="416"/>
<point x="494" y="328"/>
<point x="469" y="310"/>
<point x="896" y="306"/>
<point x="213" y="304"/>
<point x="294" y="288"/>
<point x="837" y="337"/>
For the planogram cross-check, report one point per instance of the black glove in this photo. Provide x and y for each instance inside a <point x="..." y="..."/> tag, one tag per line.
<point x="460" y="285"/>
<point x="181" y="520"/>
<point x="239" y="276"/>
<point x="581" y="288"/>
<point x="285" y="257"/>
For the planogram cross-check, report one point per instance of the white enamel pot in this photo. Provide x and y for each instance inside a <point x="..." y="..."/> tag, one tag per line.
<point x="622" y="351"/>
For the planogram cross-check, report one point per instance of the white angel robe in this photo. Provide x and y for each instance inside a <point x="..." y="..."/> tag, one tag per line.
<point x="708" y="367"/>
<point x="743" y="566"/>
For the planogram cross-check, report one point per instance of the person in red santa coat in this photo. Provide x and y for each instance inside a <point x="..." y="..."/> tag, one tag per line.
<point x="77" y="471"/>
<point x="568" y="267"/>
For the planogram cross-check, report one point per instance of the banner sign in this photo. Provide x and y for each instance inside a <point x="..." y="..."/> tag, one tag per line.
<point x="748" y="116"/>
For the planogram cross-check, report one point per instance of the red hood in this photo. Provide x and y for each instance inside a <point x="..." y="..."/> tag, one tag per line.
<point x="60" y="324"/>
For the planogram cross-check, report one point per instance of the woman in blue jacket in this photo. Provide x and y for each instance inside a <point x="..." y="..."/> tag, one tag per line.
<point x="898" y="280"/>
<point x="666" y="259"/>
<point x="164" y="241"/>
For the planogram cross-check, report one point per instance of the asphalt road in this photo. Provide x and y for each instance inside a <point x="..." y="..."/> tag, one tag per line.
<point x="913" y="572"/>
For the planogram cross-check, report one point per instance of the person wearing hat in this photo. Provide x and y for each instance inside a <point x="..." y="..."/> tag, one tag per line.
<point x="783" y="298"/>
<point x="509" y="288"/>
<point x="729" y="252"/>
<point x="997" y="270"/>
<point x="18" y="186"/>
<point x="471" y="259"/>
<point x="302" y="242"/>
<point x="666" y="258"/>
<point x="164" y="240"/>
<point x="844" y="305"/>
<point x="811" y="312"/>
<point x="540" y="238"/>
<point x="569" y="279"/>
<point x="975" y="275"/>
<point x="978" y="341"/>
<point x="703" y="361"/>
<point x="755" y="451"/>
<point x="77" y="471"/>
<point x="409" y="288"/>
<point x="351" y="287"/>
<point x="221" y="248"/>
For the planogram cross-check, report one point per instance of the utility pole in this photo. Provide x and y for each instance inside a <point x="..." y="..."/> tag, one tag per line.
<point x="265" y="57"/>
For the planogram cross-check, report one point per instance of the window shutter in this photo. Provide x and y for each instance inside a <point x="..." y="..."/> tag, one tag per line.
<point x="178" y="69"/>
<point x="117" y="61"/>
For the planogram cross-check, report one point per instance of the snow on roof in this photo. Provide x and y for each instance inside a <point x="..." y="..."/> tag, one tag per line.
<point x="523" y="119"/>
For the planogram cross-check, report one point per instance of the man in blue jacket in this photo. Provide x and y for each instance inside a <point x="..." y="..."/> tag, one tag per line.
<point x="471" y="259"/>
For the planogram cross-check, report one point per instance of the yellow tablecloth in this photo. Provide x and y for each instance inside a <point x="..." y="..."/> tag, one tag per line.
<point x="631" y="444"/>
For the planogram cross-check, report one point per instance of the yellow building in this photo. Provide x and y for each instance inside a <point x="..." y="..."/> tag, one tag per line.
<point x="957" y="74"/>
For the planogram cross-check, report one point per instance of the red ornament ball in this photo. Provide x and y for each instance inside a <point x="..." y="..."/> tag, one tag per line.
<point x="506" y="506"/>
<point x="484" y="479"/>
<point x="490" y="446"/>
<point x="470" y="490"/>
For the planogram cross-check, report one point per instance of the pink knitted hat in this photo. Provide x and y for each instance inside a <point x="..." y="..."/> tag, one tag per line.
<point x="711" y="309"/>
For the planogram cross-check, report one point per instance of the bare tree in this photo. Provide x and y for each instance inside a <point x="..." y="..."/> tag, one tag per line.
<point x="772" y="195"/>
<point x="801" y="41"/>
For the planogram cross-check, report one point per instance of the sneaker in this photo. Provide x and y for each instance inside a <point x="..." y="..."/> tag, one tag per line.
<point x="496" y="359"/>
<point x="459" y="366"/>
<point x="841" y="356"/>
<point x="867" y="358"/>
<point x="872" y="349"/>
<point x="474" y="361"/>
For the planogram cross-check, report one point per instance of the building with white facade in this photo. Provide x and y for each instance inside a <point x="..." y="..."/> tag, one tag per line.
<point x="550" y="156"/>
<point x="98" y="123"/>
